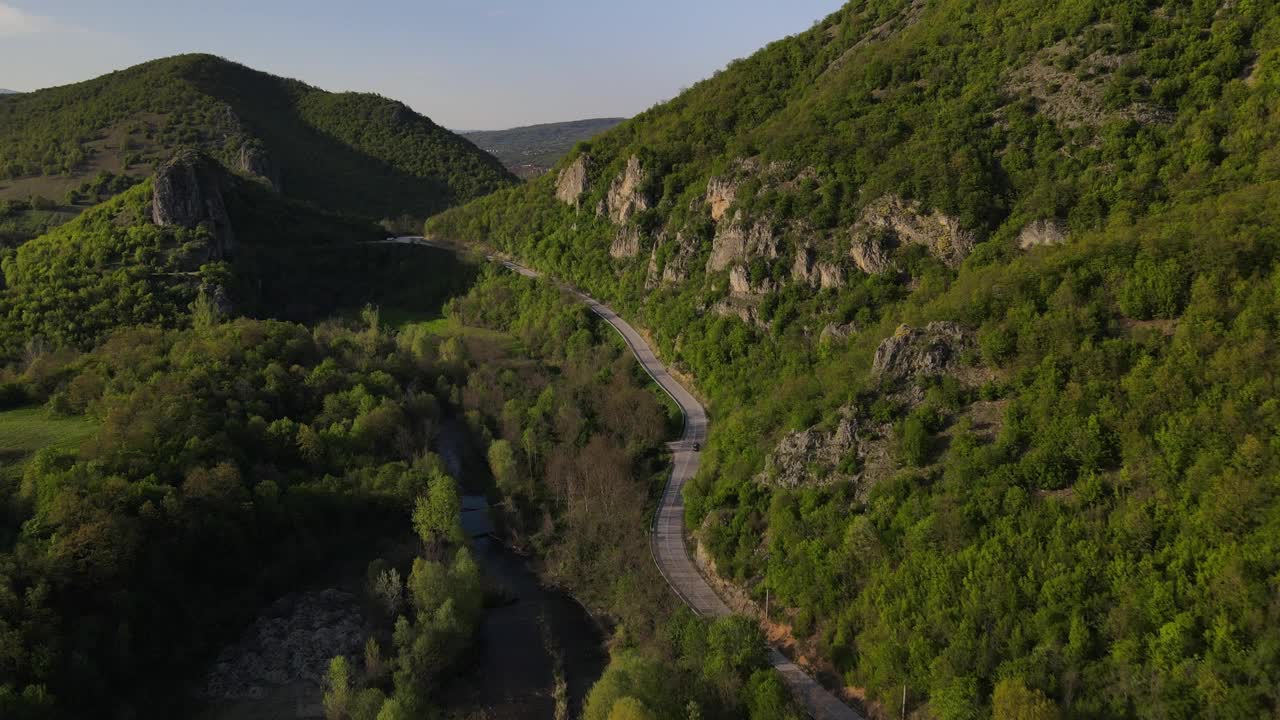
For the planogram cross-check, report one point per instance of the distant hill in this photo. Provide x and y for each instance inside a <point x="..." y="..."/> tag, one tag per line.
<point x="532" y="150"/>
<point x="357" y="153"/>
<point x="8" y="92"/>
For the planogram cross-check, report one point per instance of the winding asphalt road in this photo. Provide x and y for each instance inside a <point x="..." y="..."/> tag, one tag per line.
<point x="667" y="540"/>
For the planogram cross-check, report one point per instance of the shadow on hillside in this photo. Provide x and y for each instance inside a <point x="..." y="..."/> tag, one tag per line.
<point x="312" y="164"/>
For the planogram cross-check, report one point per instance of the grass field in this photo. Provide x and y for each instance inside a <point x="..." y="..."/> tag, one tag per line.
<point x="402" y="320"/>
<point x="27" y="430"/>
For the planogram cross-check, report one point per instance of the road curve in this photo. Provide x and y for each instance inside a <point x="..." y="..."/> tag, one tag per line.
<point x="667" y="539"/>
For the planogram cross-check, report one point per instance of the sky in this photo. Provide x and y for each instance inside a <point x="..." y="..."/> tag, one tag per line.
<point x="467" y="64"/>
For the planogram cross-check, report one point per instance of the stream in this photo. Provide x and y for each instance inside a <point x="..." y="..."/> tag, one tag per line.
<point x="542" y="638"/>
<point x="517" y="668"/>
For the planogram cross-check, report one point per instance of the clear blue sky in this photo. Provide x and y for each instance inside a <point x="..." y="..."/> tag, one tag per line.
<point x="468" y="64"/>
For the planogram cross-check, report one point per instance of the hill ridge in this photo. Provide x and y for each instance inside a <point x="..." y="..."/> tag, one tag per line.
<point x="356" y="152"/>
<point x="531" y="150"/>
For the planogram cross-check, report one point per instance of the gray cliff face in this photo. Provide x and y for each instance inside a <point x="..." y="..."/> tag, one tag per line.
<point x="572" y="183"/>
<point x="737" y="242"/>
<point x="188" y="194"/>
<point x="932" y="350"/>
<point x="626" y="244"/>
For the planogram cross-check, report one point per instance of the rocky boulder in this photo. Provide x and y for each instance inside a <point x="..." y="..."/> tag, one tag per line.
<point x="891" y="221"/>
<point x="932" y="350"/>
<point x="736" y="242"/>
<point x="572" y="182"/>
<point x="1042" y="232"/>
<point x="626" y="195"/>
<point x="188" y="193"/>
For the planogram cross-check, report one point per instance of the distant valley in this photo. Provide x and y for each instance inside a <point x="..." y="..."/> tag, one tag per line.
<point x="532" y="150"/>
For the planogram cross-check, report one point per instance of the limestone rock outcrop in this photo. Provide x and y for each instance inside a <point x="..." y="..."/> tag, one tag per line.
<point x="626" y="244"/>
<point x="932" y="350"/>
<point x="736" y="242"/>
<point x="741" y="284"/>
<point x="626" y="195"/>
<point x="188" y="193"/>
<point x="254" y="160"/>
<point x="811" y="271"/>
<point x="872" y="251"/>
<point x="721" y="193"/>
<point x="678" y="260"/>
<point x="744" y="307"/>
<point x="572" y="182"/>
<point x="1042" y="232"/>
<point x="891" y="221"/>
<point x="857" y="450"/>
<point x="837" y="332"/>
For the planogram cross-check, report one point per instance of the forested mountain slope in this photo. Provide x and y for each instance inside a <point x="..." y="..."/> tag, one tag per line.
<point x="983" y="296"/>
<point x="358" y="153"/>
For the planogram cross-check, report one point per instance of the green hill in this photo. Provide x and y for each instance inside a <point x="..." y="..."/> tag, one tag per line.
<point x="143" y="258"/>
<point x="984" y="300"/>
<point x="356" y="153"/>
<point x="532" y="150"/>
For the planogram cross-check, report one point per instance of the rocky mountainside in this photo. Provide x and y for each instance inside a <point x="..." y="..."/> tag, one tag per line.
<point x="975" y="296"/>
<point x="532" y="150"/>
<point x="361" y="154"/>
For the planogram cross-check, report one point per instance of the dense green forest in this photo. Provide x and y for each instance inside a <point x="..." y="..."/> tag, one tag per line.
<point x="177" y="465"/>
<point x="1070" y="507"/>
<point x="361" y="154"/>
<point x="229" y="461"/>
